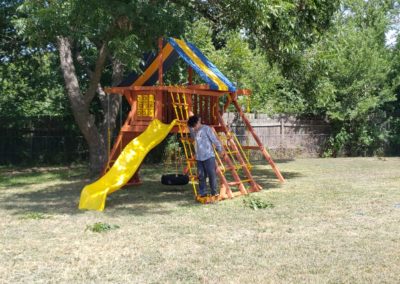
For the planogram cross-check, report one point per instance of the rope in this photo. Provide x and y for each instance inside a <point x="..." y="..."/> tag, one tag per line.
<point x="120" y="120"/>
<point x="108" y="129"/>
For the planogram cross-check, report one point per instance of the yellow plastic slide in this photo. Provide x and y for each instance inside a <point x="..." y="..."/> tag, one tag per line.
<point x="93" y="196"/>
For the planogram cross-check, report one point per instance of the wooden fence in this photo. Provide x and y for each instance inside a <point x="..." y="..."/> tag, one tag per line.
<point x="284" y="136"/>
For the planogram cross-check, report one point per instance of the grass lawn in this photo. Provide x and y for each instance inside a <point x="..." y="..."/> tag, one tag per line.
<point x="333" y="221"/>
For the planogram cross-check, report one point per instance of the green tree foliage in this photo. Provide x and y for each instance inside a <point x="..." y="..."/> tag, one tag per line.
<point x="344" y="79"/>
<point x="279" y="27"/>
<point x="95" y="41"/>
<point x="248" y="68"/>
<point x="30" y="84"/>
<point x="304" y="58"/>
<point x="393" y="108"/>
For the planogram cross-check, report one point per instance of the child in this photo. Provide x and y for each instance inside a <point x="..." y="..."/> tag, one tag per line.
<point x="205" y="157"/>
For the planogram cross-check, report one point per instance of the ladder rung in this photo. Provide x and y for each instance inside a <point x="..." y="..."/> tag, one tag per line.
<point x="234" y="183"/>
<point x="234" y="167"/>
<point x="180" y="104"/>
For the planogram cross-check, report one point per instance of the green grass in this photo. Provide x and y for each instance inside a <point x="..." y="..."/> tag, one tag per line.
<point x="333" y="221"/>
<point x="34" y="216"/>
<point x="100" y="227"/>
<point x="13" y="177"/>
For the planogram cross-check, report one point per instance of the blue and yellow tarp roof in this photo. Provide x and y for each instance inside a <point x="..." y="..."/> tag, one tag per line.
<point x="172" y="50"/>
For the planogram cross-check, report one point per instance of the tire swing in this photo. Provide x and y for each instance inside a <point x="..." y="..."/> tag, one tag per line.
<point x="176" y="178"/>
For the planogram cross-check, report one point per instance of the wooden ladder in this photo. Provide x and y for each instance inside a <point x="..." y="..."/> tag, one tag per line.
<point x="234" y="160"/>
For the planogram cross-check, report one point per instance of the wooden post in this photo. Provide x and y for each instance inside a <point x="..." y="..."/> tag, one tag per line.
<point x="159" y="94"/>
<point x="225" y="190"/>
<point x="282" y="132"/>
<point x="201" y="100"/>
<point x="160" y="63"/>
<point x="190" y="104"/>
<point x="190" y="75"/>
<point x="196" y="104"/>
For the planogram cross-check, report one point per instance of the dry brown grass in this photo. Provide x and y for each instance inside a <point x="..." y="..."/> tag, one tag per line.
<point x="334" y="221"/>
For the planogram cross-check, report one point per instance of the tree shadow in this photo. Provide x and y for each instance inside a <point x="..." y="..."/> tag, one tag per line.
<point x="56" y="199"/>
<point x="284" y="161"/>
<point x="25" y="176"/>
<point x="64" y="199"/>
<point x="149" y="198"/>
<point x="269" y="181"/>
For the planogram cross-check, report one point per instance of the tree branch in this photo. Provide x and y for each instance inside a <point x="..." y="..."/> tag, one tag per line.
<point x="96" y="75"/>
<point x="99" y="89"/>
<point x="69" y="73"/>
<point x="81" y="61"/>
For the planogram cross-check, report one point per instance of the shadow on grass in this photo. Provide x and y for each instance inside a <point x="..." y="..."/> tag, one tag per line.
<point x="149" y="198"/>
<point x="64" y="199"/>
<point x="55" y="199"/>
<point x="11" y="178"/>
<point x="269" y="181"/>
<point x="278" y="161"/>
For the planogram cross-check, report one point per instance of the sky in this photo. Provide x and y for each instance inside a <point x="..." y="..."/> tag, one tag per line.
<point x="391" y="37"/>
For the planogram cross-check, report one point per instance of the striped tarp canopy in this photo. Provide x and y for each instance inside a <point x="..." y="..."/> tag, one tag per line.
<point x="172" y="50"/>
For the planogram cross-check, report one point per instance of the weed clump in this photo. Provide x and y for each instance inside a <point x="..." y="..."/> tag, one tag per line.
<point x="100" y="227"/>
<point x="34" y="216"/>
<point x="256" y="203"/>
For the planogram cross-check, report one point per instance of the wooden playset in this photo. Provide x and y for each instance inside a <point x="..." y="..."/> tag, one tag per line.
<point x="169" y="102"/>
<point x="150" y="99"/>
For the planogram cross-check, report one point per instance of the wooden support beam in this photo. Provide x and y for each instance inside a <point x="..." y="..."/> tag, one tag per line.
<point x="196" y="105"/>
<point x="232" y="168"/>
<point x="190" y="104"/>
<point x="160" y="61"/>
<point x="227" y="103"/>
<point x="242" y="162"/>
<point x="225" y="190"/>
<point x="199" y="87"/>
<point x="258" y="141"/>
<point x="243" y="92"/>
<point x="190" y="75"/>
<point x="171" y="89"/>
<point x="251" y="147"/>
<point x="201" y="106"/>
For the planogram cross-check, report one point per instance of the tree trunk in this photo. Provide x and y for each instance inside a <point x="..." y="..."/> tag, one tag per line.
<point x="80" y="103"/>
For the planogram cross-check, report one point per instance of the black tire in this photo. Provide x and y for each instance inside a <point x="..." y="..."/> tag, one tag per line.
<point x="174" y="179"/>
